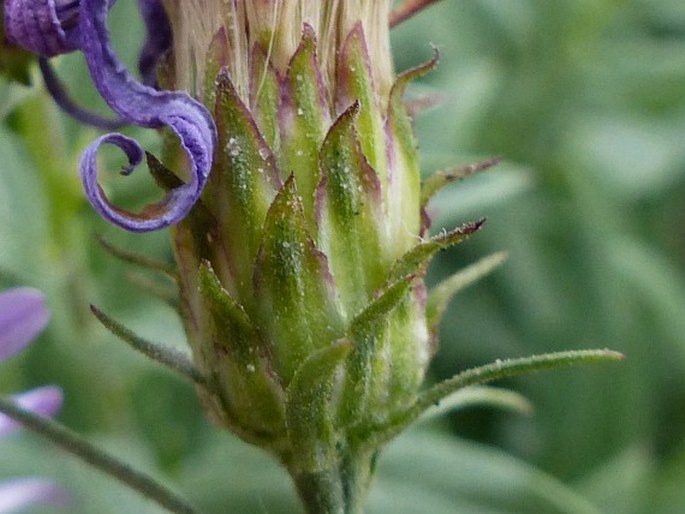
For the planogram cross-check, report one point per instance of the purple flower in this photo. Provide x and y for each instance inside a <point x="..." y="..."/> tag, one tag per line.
<point x="146" y="107"/>
<point x="20" y="493"/>
<point x="45" y="401"/>
<point x="23" y="315"/>
<point x="45" y="27"/>
<point x="158" y="40"/>
<point x="50" y="27"/>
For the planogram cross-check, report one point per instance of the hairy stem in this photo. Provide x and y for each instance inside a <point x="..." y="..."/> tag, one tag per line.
<point x="341" y="490"/>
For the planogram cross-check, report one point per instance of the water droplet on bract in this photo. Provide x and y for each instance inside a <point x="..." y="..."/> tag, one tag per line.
<point x="233" y="147"/>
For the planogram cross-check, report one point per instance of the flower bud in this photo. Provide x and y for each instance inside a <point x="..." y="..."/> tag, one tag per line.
<point x="302" y="265"/>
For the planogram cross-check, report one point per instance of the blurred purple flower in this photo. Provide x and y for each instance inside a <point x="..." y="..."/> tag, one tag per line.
<point x="19" y="493"/>
<point x="45" y="401"/>
<point x="23" y="315"/>
<point x="51" y="27"/>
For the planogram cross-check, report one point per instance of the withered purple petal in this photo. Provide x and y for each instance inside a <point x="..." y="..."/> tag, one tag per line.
<point x="44" y="401"/>
<point x="64" y="102"/>
<point x="170" y="210"/>
<point x="158" y="39"/>
<point x="146" y="107"/>
<point x="45" y="27"/>
<point x="23" y="314"/>
<point x="19" y="493"/>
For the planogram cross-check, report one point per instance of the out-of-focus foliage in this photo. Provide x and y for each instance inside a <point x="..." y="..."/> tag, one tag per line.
<point x="585" y="101"/>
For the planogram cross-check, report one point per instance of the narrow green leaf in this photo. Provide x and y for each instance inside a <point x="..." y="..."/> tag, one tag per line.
<point x="167" y="294"/>
<point x="310" y="418"/>
<point x="428" y="470"/>
<point x="479" y="396"/>
<point x="440" y="179"/>
<point x="171" y="358"/>
<point x="417" y="259"/>
<point x="442" y="294"/>
<point x="111" y="465"/>
<point x="376" y="436"/>
<point x="137" y="259"/>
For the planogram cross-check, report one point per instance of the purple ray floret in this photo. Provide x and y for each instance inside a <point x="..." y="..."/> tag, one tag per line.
<point x="45" y="401"/>
<point x="23" y="315"/>
<point x="158" y="39"/>
<point x="46" y="27"/>
<point x="63" y="100"/>
<point x="146" y="107"/>
<point x="51" y="27"/>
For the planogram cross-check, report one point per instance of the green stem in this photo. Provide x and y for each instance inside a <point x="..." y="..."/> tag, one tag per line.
<point x="341" y="490"/>
<point x="108" y="464"/>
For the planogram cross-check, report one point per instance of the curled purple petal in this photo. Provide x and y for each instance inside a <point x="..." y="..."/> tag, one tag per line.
<point x="23" y="315"/>
<point x="172" y="208"/>
<point x="44" y="401"/>
<point x="158" y="39"/>
<point x="146" y="107"/>
<point x="19" y="493"/>
<point x="45" y="27"/>
<point x="64" y="102"/>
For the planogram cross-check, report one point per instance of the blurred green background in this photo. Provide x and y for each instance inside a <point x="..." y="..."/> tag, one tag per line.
<point x="585" y="101"/>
